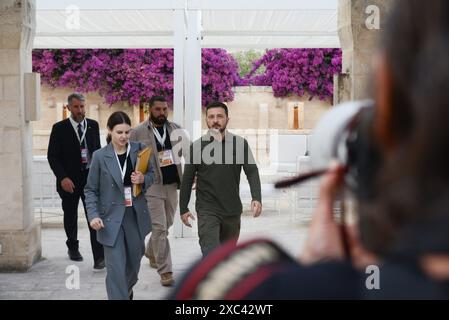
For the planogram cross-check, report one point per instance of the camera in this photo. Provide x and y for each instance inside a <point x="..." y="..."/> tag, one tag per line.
<point x="346" y="134"/>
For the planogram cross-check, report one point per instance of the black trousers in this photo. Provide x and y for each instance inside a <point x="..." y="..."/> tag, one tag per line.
<point x="70" y="203"/>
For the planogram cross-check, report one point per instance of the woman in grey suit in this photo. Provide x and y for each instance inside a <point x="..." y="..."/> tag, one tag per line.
<point x="121" y="220"/>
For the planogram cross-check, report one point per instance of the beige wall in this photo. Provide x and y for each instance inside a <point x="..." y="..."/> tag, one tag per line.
<point x="244" y="111"/>
<point x="247" y="117"/>
<point x="51" y="113"/>
<point x="52" y="101"/>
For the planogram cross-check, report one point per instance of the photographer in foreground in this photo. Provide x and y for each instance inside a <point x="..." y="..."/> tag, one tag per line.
<point x="402" y="205"/>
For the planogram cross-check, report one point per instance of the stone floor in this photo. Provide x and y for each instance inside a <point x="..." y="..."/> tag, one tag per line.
<point x="47" y="279"/>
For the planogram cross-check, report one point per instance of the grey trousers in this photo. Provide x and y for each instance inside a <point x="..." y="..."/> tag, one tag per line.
<point x="162" y="212"/>
<point x="214" y="229"/>
<point x="123" y="259"/>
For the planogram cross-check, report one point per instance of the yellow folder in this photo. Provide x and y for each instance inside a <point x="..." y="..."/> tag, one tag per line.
<point x="141" y="165"/>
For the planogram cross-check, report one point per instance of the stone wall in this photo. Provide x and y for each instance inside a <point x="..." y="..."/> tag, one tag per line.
<point x="20" y="243"/>
<point x="360" y="25"/>
<point x="52" y="110"/>
<point x="245" y="111"/>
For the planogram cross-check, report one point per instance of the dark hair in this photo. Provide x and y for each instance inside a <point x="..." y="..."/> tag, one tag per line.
<point x="156" y="99"/>
<point x="118" y="117"/>
<point x="75" y="95"/>
<point x="218" y="105"/>
<point x="413" y="184"/>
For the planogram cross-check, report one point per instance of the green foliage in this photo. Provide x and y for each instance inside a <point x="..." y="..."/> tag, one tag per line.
<point x="245" y="60"/>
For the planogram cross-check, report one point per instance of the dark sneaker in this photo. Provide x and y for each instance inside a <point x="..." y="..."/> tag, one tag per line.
<point x="99" y="265"/>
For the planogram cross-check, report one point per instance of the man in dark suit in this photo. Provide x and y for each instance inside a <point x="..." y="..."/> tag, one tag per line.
<point x="72" y="143"/>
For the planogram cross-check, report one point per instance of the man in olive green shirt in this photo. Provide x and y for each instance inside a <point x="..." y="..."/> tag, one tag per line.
<point x="217" y="160"/>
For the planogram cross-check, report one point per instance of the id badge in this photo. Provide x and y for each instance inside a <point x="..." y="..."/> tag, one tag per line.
<point x="84" y="155"/>
<point x="128" y="197"/>
<point x="165" y="158"/>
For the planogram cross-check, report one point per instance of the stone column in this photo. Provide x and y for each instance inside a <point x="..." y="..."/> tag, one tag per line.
<point x="360" y="23"/>
<point x="20" y="236"/>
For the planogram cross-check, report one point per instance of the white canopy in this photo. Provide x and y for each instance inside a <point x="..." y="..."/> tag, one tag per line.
<point x="230" y="24"/>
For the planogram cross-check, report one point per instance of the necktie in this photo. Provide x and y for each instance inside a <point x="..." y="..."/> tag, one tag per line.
<point x="80" y="131"/>
<point x="80" y="134"/>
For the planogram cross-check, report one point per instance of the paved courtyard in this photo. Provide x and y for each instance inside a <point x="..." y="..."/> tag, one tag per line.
<point x="47" y="279"/>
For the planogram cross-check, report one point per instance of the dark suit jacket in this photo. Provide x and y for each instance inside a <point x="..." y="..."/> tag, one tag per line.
<point x="64" y="152"/>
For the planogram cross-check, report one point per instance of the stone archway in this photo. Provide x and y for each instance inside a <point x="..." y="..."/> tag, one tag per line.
<point x="360" y="24"/>
<point x="20" y="236"/>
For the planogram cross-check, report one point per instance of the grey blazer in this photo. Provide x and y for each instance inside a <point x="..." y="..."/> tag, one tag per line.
<point x="105" y="194"/>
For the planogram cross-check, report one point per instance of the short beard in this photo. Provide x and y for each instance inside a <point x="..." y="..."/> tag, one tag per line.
<point x="79" y="119"/>
<point x="221" y="130"/>
<point x="158" y="121"/>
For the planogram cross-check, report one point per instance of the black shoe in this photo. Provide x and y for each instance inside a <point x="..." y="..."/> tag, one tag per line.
<point x="99" y="265"/>
<point x="131" y="295"/>
<point x="75" y="255"/>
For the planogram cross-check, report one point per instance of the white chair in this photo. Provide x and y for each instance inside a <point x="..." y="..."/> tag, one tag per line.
<point x="305" y="194"/>
<point x="269" y="196"/>
<point x="284" y="151"/>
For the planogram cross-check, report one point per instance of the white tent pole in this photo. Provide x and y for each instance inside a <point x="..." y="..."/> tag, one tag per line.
<point x="178" y="69"/>
<point x="193" y="75"/>
<point x="179" y="42"/>
<point x="191" y="90"/>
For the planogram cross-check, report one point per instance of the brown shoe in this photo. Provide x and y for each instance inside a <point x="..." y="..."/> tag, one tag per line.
<point x="167" y="279"/>
<point x="153" y="263"/>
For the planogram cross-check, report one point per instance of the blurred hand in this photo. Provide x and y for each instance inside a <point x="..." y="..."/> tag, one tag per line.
<point x="67" y="185"/>
<point x="324" y="239"/>
<point x="256" y="208"/>
<point x="96" y="224"/>
<point x="137" y="177"/>
<point x="185" y="218"/>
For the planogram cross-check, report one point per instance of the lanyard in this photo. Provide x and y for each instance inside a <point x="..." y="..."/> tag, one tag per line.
<point x="123" y="170"/>
<point x="84" y="132"/>
<point x="160" y="139"/>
